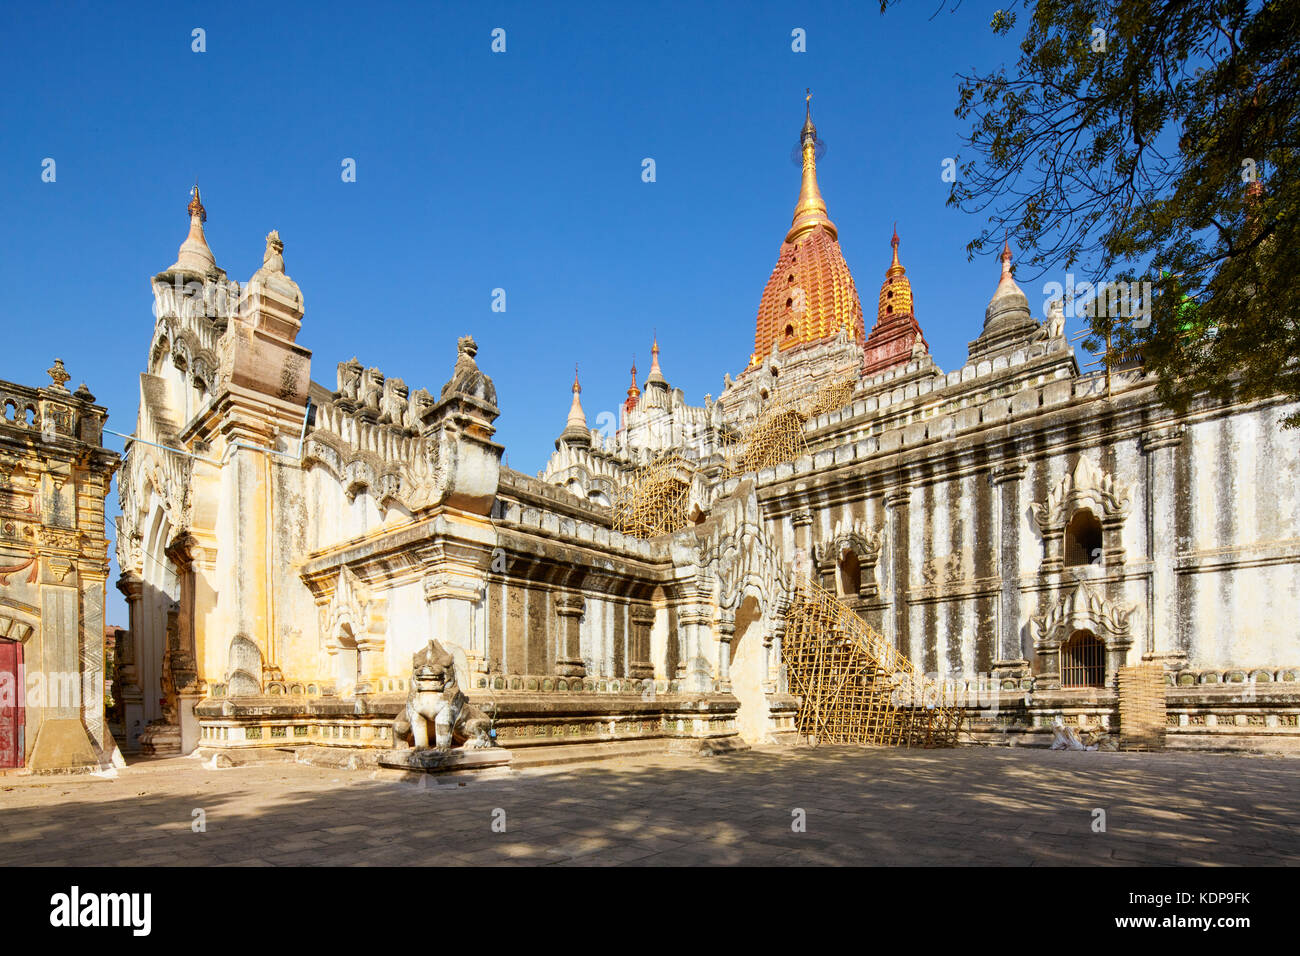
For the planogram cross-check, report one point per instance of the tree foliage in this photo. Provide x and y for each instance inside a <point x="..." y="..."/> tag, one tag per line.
<point x="1156" y="140"/>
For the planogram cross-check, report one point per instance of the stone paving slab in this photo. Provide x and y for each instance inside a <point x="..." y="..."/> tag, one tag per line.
<point x="861" y="806"/>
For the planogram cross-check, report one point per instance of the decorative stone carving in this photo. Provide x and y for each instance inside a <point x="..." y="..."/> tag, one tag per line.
<point x="1054" y="326"/>
<point x="349" y="380"/>
<point x="273" y="257"/>
<point x="421" y="401"/>
<point x="460" y="466"/>
<point x="734" y="550"/>
<point x="1085" y="487"/>
<point x="354" y="619"/>
<point x="1083" y="609"/>
<point x="1056" y="319"/>
<point x="370" y="394"/>
<point x="466" y="379"/>
<point x="437" y="703"/>
<point x="58" y="375"/>
<point x="393" y="405"/>
<point x="863" y="542"/>
<point x="1087" y="609"/>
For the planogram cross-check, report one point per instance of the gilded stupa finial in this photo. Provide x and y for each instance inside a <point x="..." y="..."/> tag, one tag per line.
<point x="633" y="393"/>
<point x="895" y="267"/>
<point x="196" y="204"/>
<point x="811" y="208"/>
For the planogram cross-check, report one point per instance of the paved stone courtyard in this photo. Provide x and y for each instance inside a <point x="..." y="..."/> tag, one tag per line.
<point x="862" y="806"/>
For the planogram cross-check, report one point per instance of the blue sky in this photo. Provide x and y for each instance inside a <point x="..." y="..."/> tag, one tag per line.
<point x="475" y="171"/>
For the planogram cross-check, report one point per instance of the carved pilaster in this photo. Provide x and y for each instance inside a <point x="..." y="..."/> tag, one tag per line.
<point x="803" y="547"/>
<point x="726" y="634"/>
<point x="643" y="619"/>
<point x="1006" y="478"/>
<point x="898" y="498"/>
<point x="897" y="504"/>
<point x="132" y="587"/>
<point x="695" y="620"/>
<point x="570" y="608"/>
<point x="1161" y="448"/>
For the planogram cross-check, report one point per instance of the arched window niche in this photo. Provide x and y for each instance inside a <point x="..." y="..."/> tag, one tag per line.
<point x="1083" y="540"/>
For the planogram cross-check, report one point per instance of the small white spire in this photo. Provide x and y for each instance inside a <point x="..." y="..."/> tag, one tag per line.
<point x="195" y="256"/>
<point x="575" y="428"/>
<point x="577" y="417"/>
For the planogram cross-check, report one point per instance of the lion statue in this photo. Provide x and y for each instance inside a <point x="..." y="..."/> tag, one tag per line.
<point x="436" y="702"/>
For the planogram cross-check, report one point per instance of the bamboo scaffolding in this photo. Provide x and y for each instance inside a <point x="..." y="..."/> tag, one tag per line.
<point x="830" y="397"/>
<point x="1142" y="707"/>
<point x="653" y="502"/>
<point x="854" y="686"/>
<point x="777" y="435"/>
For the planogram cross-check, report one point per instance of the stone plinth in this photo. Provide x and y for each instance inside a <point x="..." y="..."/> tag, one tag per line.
<point x="445" y="761"/>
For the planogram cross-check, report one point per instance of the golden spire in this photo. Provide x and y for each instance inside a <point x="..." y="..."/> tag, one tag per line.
<point x="811" y="208"/>
<point x="896" y="291"/>
<point x="810" y="295"/>
<point x="633" y="393"/>
<point x="195" y="207"/>
<point x="896" y="336"/>
<point x="895" y="267"/>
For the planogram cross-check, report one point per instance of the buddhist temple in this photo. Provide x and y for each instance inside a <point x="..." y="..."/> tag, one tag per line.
<point x="1018" y="532"/>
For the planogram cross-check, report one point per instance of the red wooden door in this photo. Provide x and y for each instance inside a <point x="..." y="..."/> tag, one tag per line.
<point x="11" y="704"/>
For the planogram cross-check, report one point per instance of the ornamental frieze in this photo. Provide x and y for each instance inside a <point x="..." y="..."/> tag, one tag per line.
<point x="1084" y="608"/>
<point x="1085" y="487"/>
<point x="61" y="540"/>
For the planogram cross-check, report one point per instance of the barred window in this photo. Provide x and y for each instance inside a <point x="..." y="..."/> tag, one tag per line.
<point x="1083" y="661"/>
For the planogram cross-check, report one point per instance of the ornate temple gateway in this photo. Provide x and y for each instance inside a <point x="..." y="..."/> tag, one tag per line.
<point x="54" y="477"/>
<point x="1016" y="530"/>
